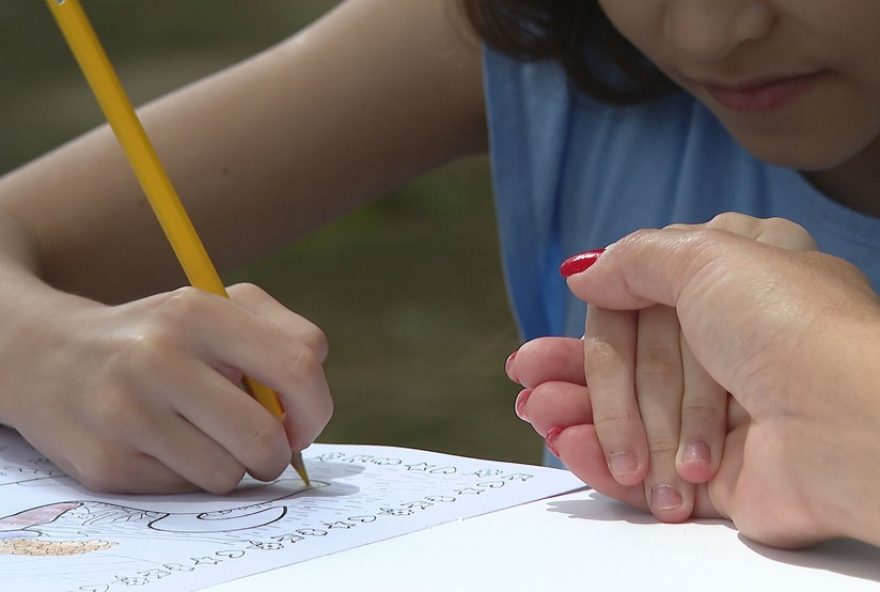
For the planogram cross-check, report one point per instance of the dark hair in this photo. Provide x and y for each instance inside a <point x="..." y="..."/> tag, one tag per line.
<point x="561" y="30"/>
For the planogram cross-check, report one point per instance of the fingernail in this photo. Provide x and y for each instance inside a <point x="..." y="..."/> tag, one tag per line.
<point x="550" y="439"/>
<point x="580" y="262"/>
<point x="507" y="366"/>
<point x="520" y="405"/>
<point x="665" y="497"/>
<point x="697" y="452"/>
<point x="622" y="464"/>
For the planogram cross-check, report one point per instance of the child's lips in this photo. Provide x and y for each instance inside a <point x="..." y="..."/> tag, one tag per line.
<point x="762" y="95"/>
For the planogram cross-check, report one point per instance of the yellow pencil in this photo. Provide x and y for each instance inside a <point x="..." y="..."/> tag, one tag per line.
<point x="157" y="186"/>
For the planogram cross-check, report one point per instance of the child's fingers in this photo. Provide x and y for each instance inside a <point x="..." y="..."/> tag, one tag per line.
<point x="658" y="392"/>
<point x="547" y="359"/>
<point x="258" y="301"/>
<point x="224" y="413"/>
<point x="285" y="356"/>
<point x="92" y="442"/>
<point x="191" y="419"/>
<point x="579" y="449"/>
<point x="190" y="453"/>
<point x="555" y="405"/>
<point x="703" y="421"/>
<point x="609" y="360"/>
<point x="148" y="476"/>
<point x="119" y="469"/>
<point x="306" y="416"/>
<point x="155" y="478"/>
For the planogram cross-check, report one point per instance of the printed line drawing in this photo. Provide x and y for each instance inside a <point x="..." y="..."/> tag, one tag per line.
<point x="57" y="536"/>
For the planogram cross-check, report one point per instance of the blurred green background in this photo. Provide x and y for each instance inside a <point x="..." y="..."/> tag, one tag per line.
<point x="408" y="290"/>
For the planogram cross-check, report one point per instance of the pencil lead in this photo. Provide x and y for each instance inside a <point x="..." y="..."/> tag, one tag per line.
<point x="296" y="461"/>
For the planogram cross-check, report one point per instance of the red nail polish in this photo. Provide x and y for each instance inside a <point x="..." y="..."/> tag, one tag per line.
<point x="580" y="262"/>
<point x="550" y="439"/>
<point x="521" y="399"/>
<point x="507" y="363"/>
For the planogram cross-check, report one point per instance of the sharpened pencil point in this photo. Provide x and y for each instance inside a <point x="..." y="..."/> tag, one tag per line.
<point x="296" y="461"/>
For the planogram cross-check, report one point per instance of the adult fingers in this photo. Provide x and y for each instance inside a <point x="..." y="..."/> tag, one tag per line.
<point x="651" y="267"/>
<point x="690" y="270"/>
<point x="579" y="449"/>
<point x="547" y="359"/>
<point x="733" y="295"/>
<point x="554" y="405"/>
<point x="609" y="362"/>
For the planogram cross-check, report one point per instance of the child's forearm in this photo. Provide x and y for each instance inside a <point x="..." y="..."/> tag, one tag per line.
<point x="27" y="307"/>
<point x="264" y="151"/>
<point x="17" y="247"/>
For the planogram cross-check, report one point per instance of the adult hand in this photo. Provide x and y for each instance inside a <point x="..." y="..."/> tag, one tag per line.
<point x="792" y="336"/>
<point x="660" y="418"/>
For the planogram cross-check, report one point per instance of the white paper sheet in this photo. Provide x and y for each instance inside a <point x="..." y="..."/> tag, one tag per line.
<point x="57" y="536"/>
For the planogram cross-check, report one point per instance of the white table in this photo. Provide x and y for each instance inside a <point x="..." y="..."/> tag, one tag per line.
<point x="579" y="541"/>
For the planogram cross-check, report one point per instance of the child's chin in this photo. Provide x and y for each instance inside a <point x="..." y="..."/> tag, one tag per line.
<point x="804" y="151"/>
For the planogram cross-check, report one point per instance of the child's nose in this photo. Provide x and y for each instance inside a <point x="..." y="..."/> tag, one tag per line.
<point x="709" y="30"/>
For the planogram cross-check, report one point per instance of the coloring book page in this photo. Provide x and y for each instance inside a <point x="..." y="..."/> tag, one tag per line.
<point x="57" y="536"/>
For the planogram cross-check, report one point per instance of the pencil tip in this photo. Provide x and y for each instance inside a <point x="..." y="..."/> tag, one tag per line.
<point x="296" y="461"/>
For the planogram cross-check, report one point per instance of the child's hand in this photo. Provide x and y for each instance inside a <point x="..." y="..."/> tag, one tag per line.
<point x="659" y="417"/>
<point x="144" y="397"/>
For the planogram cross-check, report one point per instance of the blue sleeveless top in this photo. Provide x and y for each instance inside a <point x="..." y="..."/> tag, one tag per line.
<point x="573" y="174"/>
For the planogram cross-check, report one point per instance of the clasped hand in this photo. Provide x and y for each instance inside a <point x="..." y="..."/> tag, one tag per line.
<point x="691" y="420"/>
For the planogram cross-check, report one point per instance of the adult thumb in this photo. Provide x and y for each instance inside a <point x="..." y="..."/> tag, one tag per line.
<point x="651" y="267"/>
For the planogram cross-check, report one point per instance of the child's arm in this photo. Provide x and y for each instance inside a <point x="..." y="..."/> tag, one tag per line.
<point x="137" y="396"/>
<point x="363" y="100"/>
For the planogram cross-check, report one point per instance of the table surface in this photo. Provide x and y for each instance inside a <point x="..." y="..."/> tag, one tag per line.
<point x="580" y="540"/>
